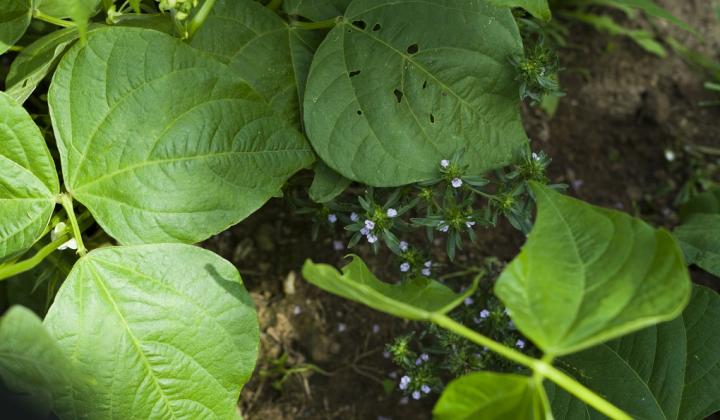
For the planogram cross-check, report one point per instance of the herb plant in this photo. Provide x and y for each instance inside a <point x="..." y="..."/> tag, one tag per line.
<point x="174" y="120"/>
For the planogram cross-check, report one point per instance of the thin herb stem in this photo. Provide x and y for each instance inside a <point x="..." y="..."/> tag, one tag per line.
<point x="32" y="262"/>
<point x="540" y="367"/>
<point x="321" y="24"/>
<point x="55" y="21"/>
<point x="67" y="203"/>
<point x="16" y="48"/>
<point x="199" y="19"/>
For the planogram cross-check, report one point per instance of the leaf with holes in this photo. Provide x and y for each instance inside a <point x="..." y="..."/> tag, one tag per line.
<point x="28" y="180"/>
<point x="154" y="161"/>
<point x="699" y="235"/>
<point x="490" y="396"/>
<point x="587" y="275"/>
<point x="386" y="100"/>
<point x="163" y="331"/>
<point x="262" y="49"/>
<point x="669" y="371"/>
<point x="417" y="298"/>
<point x="538" y="8"/>
<point x="316" y="10"/>
<point x="15" y="16"/>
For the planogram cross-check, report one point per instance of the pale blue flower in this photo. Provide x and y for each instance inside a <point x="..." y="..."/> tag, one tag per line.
<point x="426" y="389"/>
<point x="332" y="218"/>
<point x="444" y="163"/>
<point x="444" y="228"/>
<point x="426" y="272"/>
<point x="392" y="213"/>
<point x="425" y="357"/>
<point x="405" y="267"/>
<point x="469" y="301"/>
<point x="484" y="313"/>
<point x="369" y="224"/>
<point x="416" y="395"/>
<point x="403" y="246"/>
<point x="520" y="344"/>
<point x="456" y="182"/>
<point x="372" y="238"/>
<point x="404" y="382"/>
<point x="354" y="217"/>
<point x="364" y="231"/>
<point x="338" y="245"/>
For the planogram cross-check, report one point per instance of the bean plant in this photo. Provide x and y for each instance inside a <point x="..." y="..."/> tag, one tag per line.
<point x="131" y="131"/>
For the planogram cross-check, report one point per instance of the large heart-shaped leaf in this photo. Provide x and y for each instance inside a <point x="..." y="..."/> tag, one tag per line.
<point x="588" y="274"/>
<point x="273" y="57"/>
<point x="316" y="9"/>
<point x="699" y="235"/>
<point x="15" y="16"/>
<point x="490" y="396"/>
<point x="669" y="371"/>
<point x="387" y="100"/>
<point x="32" y="363"/>
<point x="418" y="298"/>
<point x="164" y="331"/>
<point x="161" y="142"/>
<point x="28" y="181"/>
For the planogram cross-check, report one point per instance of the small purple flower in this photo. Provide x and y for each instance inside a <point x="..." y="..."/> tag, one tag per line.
<point x="403" y="246"/>
<point x="338" y="245"/>
<point x="416" y="395"/>
<point x="425" y="357"/>
<point x="354" y="217"/>
<point x="375" y="328"/>
<point x="369" y="224"/>
<point x="405" y="267"/>
<point x="372" y="238"/>
<point x="444" y="228"/>
<point x="426" y="389"/>
<point x="404" y="382"/>
<point x="520" y="344"/>
<point x="428" y="264"/>
<point x="426" y="272"/>
<point x="332" y="218"/>
<point x="444" y="163"/>
<point x="469" y="301"/>
<point x="456" y="182"/>
<point x="418" y="361"/>
<point x="392" y="213"/>
<point x="470" y="223"/>
<point x="484" y="313"/>
<point x="364" y="231"/>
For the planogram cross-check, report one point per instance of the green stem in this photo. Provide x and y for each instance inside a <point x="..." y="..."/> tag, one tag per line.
<point x="67" y="203"/>
<point x="16" y="48"/>
<point x="539" y="367"/>
<point x="274" y="4"/>
<point x="55" y="21"/>
<point x="321" y="24"/>
<point x="32" y="262"/>
<point x="199" y="19"/>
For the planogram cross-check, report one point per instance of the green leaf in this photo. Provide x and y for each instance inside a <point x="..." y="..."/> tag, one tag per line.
<point x="35" y="289"/>
<point x="417" y="298"/>
<point x="327" y="184"/>
<point x="262" y="49"/>
<point x="316" y="10"/>
<point x="153" y="160"/>
<point x="652" y="9"/>
<point x="668" y="371"/>
<point x="164" y="331"/>
<point x="701" y="395"/>
<point x="31" y="362"/>
<point x="36" y="61"/>
<point x="699" y="235"/>
<point x="537" y="8"/>
<point x="490" y="396"/>
<point x="15" y="16"/>
<point x="386" y="100"/>
<point x="28" y="181"/>
<point x="588" y="274"/>
<point x="80" y="11"/>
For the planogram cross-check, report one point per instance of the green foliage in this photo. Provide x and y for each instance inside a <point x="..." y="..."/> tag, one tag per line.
<point x="315" y="10"/>
<point x="28" y="183"/>
<point x="418" y="298"/>
<point x="538" y="8"/>
<point x="157" y="307"/>
<point x="384" y="99"/>
<point x="666" y="371"/>
<point x="327" y="184"/>
<point x="15" y="17"/>
<point x="699" y="235"/>
<point x="114" y="162"/>
<point x="587" y="275"/>
<point x="488" y="395"/>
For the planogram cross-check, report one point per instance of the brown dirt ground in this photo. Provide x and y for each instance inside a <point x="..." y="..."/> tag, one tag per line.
<point x="624" y="108"/>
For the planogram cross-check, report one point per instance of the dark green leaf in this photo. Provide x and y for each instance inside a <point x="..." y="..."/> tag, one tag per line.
<point x="28" y="181"/>
<point x="417" y="298"/>
<point x="588" y="274"/>
<point x="699" y="235"/>
<point x="490" y="396"/>
<point x="327" y="184"/>
<point x="164" y="331"/>
<point x="316" y="10"/>
<point x="15" y="16"/>
<point x="386" y="100"/>
<point x="161" y="142"/>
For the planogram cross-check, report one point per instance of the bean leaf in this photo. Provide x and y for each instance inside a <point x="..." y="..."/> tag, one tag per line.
<point x="699" y="235"/>
<point x="28" y="180"/>
<point x="490" y="395"/>
<point x="15" y="16"/>
<point x="153" y="160"/>
<point x="327" y="184"/>
<point x="164" y="331"/>
<point x="315" y="9"/>
<point x="587" y="275"/>
<point x="386" y="100"/>
<point x="417" y="298"/>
